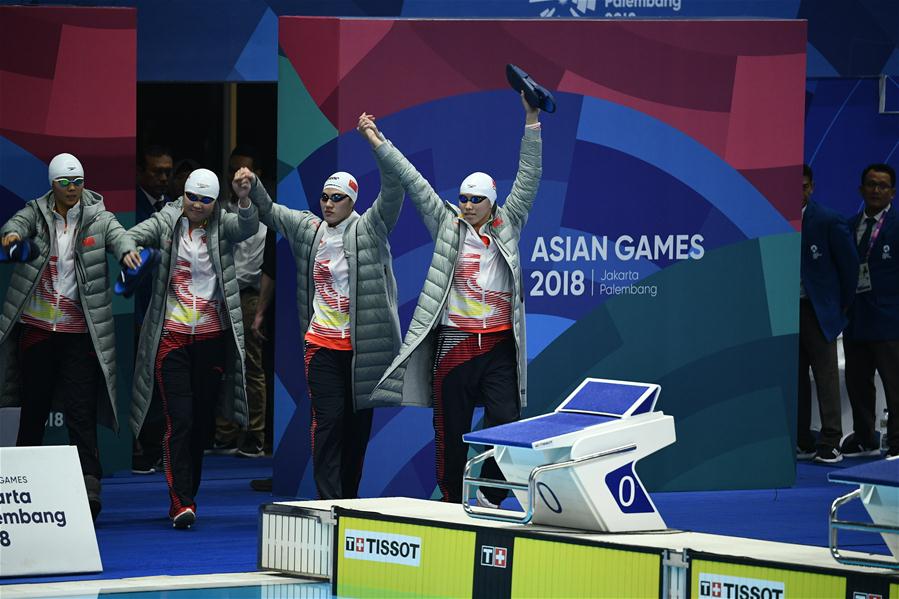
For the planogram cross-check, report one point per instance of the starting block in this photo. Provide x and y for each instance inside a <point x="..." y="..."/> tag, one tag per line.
<point x="879" y="492"/>
<point x="574" y="467"/>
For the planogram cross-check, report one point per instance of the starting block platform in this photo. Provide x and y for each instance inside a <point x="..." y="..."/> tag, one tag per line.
<point x="399" y="547"/>
<point x="878" y="490"/>
<point x="574" y="467"/>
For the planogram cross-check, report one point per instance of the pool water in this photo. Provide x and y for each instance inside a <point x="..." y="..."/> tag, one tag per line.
<point x="303" y="590"/>
<point x="288" y="590"/>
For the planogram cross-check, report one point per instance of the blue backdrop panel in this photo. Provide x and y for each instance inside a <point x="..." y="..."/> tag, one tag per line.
<point x="661" y="247"/>
<point x="237" y="40"/>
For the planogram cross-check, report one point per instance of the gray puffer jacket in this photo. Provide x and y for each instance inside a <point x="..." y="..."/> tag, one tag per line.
<point x="374" y="324"/>
<point x="408" y="380"/>
<point x="99" y="232"/>
<point x="163" y="231"/>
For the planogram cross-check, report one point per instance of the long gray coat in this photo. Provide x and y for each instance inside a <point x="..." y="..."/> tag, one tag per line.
<point x="163" y="231"/>
<point x="408" y="380"/>
<point x="374" y="324"/>
<point x="99" y="232"/>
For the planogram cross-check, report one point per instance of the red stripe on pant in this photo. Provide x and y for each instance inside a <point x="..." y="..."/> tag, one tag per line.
<point x="169" y="342"/>
<point x="310" y="351"/>
<point x="465" y="349"/>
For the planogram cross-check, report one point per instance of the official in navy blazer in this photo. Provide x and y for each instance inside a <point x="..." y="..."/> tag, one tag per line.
<point x="828" y="275"/>
<point x="154" y="170"/>
<point x="871" y="339"/>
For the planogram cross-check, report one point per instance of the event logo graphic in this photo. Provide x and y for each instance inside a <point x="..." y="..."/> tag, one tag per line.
<point x="382" y="547"/>
<point x="815" y="253"/>
<point x="494" y="557"/>
<point x="575" y="8"/>
<point x="732" y="587"/>
<point x="568" y="253"/>
<point x="614" y="8"/>
<point x="862" y="595"/>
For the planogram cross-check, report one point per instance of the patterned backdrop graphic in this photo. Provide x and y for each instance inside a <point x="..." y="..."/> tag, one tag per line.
<point x="237" y="40"/>
<point x="848" y="38"/>
<point x="843" y="133"/>
<point x="660" y="247"/>
<point x="67" y="84"/>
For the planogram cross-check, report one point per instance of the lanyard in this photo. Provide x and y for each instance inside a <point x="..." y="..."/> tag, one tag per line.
<point x="874" y="233"/>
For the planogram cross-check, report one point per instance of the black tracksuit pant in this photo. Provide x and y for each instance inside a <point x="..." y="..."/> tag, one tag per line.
<point x="189" y="370"/>
<point x="863" y="359"/>
<point x="471" y="369"/>
<point x="339" y="433"/>
<point x="62" y="365"/>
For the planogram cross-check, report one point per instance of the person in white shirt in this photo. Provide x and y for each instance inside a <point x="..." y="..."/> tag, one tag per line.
<point x="466" y="341"/>
<point x="57" y="317"/>
<point x="257" y="287"/>
<point x="192" y="337"/>
<point x="346" y="299"/>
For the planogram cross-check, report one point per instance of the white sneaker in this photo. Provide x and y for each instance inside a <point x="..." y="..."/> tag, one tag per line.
<point x="484" y="502"/>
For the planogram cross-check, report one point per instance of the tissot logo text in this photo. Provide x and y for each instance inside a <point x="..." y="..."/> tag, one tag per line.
<point x="382" y="547"/>
<point x="495" y="557"/>
<point x="731" y="587"/>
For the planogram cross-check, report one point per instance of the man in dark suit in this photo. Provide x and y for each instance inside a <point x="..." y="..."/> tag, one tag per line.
<point x="154" y="170"/>
<point x="828" y="275"/>
<point x="871" y="340"/>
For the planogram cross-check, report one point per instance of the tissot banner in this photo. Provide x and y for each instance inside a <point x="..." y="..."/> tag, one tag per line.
<point x="662" y="246"/>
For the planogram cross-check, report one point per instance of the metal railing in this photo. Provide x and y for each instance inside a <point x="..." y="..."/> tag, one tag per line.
<point x="836" y="525"/>
<point x="469" y="482"/>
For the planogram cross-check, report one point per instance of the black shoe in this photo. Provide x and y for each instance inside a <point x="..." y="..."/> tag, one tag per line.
<point x="141" y="464"/>
<point x="805" y="453"/>
<point x="222" y="447"/>
<point x="92" y="486"/>
<point x="828" y="455"/>
<point x="250" y="448"/>
<point x="853" y="448"/>
<point x="893" y="453"/>
<point x="263" y="485"/>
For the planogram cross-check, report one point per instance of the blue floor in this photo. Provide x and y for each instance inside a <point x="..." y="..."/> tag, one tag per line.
<point x="796" y="515"/>
<point x="136" y="538"/>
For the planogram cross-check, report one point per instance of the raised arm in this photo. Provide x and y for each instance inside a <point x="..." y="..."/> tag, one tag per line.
<point x="386" y="207"/>
<point x="429" y="205"/>
<point x="530" y="170"/>
<point x="280" y="218"/>
<point x="244" y="224"/>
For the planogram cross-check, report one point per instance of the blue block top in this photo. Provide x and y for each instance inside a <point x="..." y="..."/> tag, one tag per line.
<point x="881" y="472"/>
<point x="611" y="398"/>
<point x="525" y="433"/>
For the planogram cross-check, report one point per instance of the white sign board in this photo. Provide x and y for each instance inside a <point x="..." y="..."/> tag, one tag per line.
<point x="45" y="521"/>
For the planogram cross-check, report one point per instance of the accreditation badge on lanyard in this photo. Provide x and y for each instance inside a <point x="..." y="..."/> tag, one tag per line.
<point x="864" y="273"/>
<point x="864" y="278"/>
